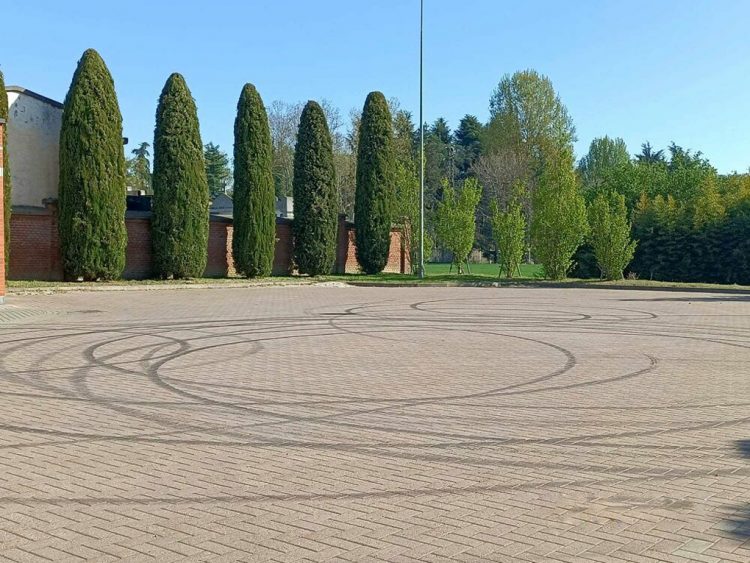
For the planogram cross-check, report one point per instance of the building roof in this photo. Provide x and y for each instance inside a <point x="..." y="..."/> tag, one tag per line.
<point x="32" y="94"/>
<point x="222" y="202"/>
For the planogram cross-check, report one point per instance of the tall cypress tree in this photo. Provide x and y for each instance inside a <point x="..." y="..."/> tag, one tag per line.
<point x="315" y="197"/>
<point x="92" y="175"/>
<point x="375" y="185"/>
<point x="179" y="227"/>
<point x="254" y="196"/>
<point x="6" y="169"/>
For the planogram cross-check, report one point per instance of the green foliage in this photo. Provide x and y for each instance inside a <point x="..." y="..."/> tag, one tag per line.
<point x="526" y="113"/>
<point x="218" y="173"/>
<point x="706" y="240"/>
<point x="254" y="234"/>
<point x="649" y="156"/>
<point x="179" y="227"/>
<point x="92" y="175"/>
<point x="315" y="197"/>
<point x="373" y="205"/>
<point x="509" y="232"/>
<point x="708" y="207"/>
<point x="406" y="210"/>
<point x="468" y="140"/>
<point x="604" y="156"/>
<point x="559" y="216"/>
<point x="439" y="161"/>
<point x="610" y="234"/>
<point x="138" y="173"/>
<point x="455" y="222"/>
<point x="6" y="171"/>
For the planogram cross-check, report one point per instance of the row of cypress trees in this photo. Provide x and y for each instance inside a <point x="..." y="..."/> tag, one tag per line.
<point x="316" y="200"/>
<point x="92" y="184"/>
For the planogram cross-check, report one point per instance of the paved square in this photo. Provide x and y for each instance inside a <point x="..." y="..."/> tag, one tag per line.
<point x="321" y="423"/>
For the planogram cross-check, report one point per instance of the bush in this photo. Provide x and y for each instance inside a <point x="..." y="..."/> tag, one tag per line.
<point x="92" y="175"/>
<point x="315" y="197"/>
<point x="254" y="234"/>
<point x="375" y="185"/>
<point x="179" y="227"/>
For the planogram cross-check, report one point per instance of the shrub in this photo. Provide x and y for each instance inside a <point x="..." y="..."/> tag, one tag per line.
<point x="315" y="197"/>
<point x="179" y="227"/>
<point x="92" y="175"/>
<point x="254" y="234"/>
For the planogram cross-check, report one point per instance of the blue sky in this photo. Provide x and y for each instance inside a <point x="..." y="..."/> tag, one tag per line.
<point x="658" y="71"/>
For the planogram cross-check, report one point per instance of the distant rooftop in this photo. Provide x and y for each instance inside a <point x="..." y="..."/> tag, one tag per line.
<point x="32" y="94"/>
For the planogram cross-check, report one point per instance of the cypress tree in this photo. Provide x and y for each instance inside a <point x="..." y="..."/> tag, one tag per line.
<point x="315" y="197"/>
<point x="6" y="169"/>
<point x="254" y="195"/>
<point x="92" y="175"/>
<point x="179" y="227"/>
<point x="375" y="185"/>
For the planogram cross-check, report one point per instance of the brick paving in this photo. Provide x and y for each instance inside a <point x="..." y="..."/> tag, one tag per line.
<point x="365" y="424"/>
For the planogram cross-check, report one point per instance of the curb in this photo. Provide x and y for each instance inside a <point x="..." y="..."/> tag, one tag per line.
<point x="42" y="290"/>
<point x="558" y="285"/>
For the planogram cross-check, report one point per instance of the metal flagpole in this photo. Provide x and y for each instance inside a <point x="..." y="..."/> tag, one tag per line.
<point x="421" y="146"/>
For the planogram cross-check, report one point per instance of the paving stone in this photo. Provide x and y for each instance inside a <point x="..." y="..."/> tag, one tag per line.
<point x="376" y="424"/>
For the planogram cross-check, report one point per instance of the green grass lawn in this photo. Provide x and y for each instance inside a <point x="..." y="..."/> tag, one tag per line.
<point x="436" y="274"/>
<point x="528" y="271"/>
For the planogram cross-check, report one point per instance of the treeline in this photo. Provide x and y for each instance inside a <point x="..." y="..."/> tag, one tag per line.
<point x="509" y="187"/>
<point x="690" y="223"/>
<point x="93" y="177"/>
<point x="660" y="214"/>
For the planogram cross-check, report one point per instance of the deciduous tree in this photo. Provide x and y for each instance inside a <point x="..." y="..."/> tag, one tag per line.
<point x="610" y="234"/>
<point x="455" y="222"/>
<point x="559" y="224"/>
<point x="509" y="231"/>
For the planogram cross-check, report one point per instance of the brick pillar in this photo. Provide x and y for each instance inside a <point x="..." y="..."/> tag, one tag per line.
<point x="2" y="213"/>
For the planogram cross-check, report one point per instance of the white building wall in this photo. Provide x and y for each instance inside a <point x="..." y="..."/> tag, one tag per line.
<point x="33" y="146"/>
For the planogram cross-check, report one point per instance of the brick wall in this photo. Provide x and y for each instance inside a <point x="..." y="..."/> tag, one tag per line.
<point x="35" y="247"/>
<point x="284" y="249"/>
<point x="219" y="263"/>
<point x="138" y="252"/>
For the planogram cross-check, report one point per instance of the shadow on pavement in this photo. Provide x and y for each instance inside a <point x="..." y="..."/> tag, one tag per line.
<point x="713" y="299"/>
<point x="739" y="524"/>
